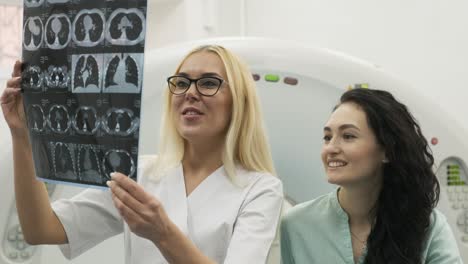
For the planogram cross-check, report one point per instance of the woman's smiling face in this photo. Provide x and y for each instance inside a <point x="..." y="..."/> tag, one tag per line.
<point x="198" y="116"/>
<point x="350" y="152"/>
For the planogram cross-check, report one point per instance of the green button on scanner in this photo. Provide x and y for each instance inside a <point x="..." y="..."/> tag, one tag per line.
<point x="361" y="86"/>
<point x="272" y="78"/>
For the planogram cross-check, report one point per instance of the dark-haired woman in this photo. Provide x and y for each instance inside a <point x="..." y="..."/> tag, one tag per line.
<point x="384" y="209"/>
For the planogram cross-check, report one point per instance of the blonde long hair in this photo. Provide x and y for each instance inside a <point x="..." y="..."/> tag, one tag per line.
<point x="246" y="142"/>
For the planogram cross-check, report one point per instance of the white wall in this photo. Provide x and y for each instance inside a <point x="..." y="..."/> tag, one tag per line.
<point x="421" y="41"/>
<point x="173" y="21"/>
<point x="424" y="42"/>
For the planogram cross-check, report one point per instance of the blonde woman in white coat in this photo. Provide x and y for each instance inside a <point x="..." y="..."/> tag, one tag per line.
<point x="208" y="197"/>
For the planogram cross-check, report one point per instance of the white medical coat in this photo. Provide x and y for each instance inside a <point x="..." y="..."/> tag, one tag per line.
<point x="229" y="224"/>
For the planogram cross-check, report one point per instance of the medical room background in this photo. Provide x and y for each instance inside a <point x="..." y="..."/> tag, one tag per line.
<point x="420" y="43"/>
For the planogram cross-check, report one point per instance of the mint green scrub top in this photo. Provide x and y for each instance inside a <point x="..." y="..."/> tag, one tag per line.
<point x="317" y="231"/>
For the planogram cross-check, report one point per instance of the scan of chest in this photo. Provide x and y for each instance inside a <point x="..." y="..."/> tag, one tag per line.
<point x="126" y="27"/>
<point x="37" y="120"/>
<point x="86" y="73"/>
<point x="118" y="160"/>
<point x="57" y="31"/>
<point x="57" y="77"/>
<point x="88" y="27"/>
<point x="32" y="78"/>
<point x="86" y="120"/>
<point x="33" y="33"/>
<point x="123" y="73"/>
<point x="120" y="121"/>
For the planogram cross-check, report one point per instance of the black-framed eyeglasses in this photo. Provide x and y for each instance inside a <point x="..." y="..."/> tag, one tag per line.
<point x="207" y="86"/>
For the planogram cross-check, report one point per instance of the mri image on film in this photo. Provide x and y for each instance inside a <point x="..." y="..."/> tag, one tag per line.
<point x="88" y="28"/>
<point x="36" y="118"/>
<point x="126" y="27"/>
<point x="82" y="79"/>
<point x="121" y="122"/>
<point x="118" y="160"/>
<point x="64" y="160"/>
<point x="86" y="120"/>
<point x="57" y="77"/>
<point x="123" y="73"/>
<point x="33" y="34"/>
<point x="57" y="31"/>
<point x="89" y="169"/>
<point x="32" y="78"/>
<point x="87" y="72"/>
<point x="58" y="119"/>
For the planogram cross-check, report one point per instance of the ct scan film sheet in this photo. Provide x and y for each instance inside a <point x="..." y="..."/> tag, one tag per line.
<point x="82" y="81"/>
